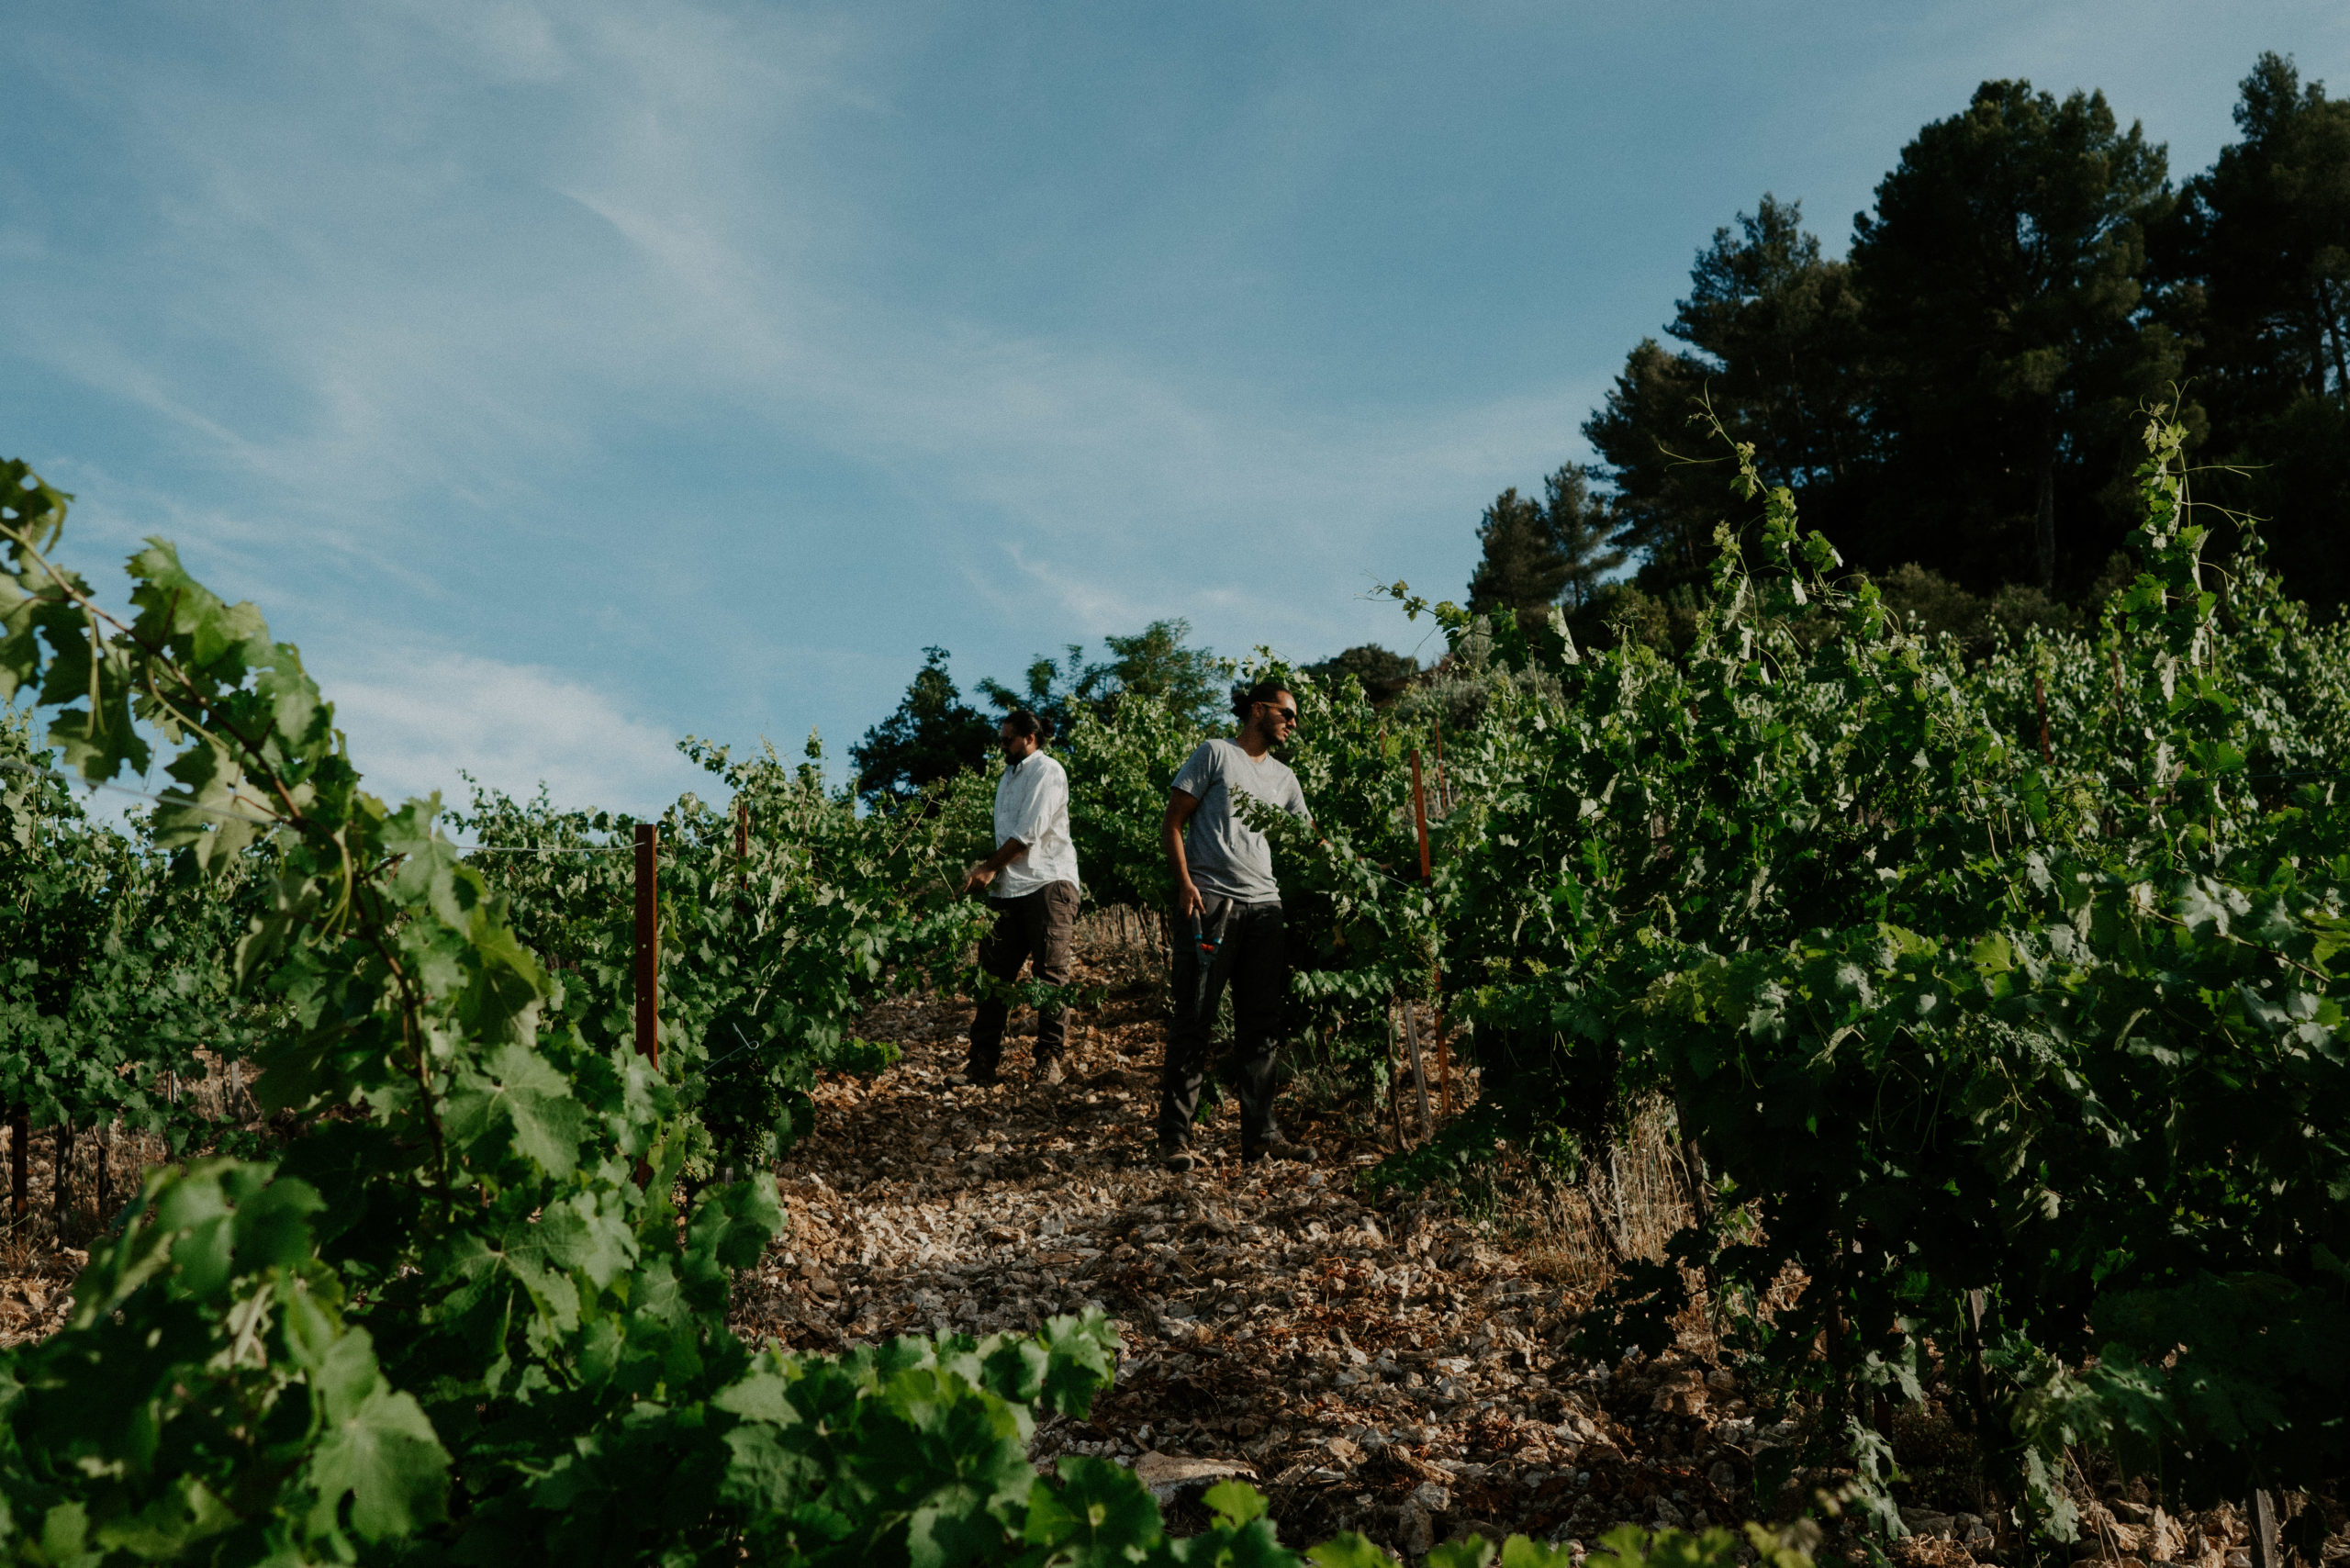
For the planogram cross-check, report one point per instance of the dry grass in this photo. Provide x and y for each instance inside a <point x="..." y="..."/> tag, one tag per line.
<point x="1632" y="1198"/>
<point x="1124" y="945"/>
<point x="103" y="1166"/>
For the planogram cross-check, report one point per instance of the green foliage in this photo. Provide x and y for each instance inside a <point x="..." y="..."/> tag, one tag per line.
<point x="1120" y="769"/>
<point x="933" y="736"/>
<point x="1384" y="673"/>
<point x="1626" y="1547"/>
<point x="1943" y="1013"/>
<point x="2012" y="981"/>
<point x="1155" y="666"/>
<point x="1152" y="665"/>
<point x="117" y="972"/>
<point x="1775" y="355"/>
<point x="2255" y="271"/>
<point x="2000" y="274"/>
<point x="466" y="1310"/>
<point x="1961" y="394"/>
<point x="208" y="1398"/>
<point x="1536" y="554"/>
<point x="766" y="958"/>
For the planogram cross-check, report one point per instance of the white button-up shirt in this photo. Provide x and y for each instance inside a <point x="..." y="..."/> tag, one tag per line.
<point x="1032" y="805"/>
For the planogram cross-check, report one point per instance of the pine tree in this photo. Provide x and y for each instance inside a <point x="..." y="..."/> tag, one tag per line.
<point x="2001" y="278"/>
<point x="2266" y="236"/>
<point x="1582" y="529"/>
<point x="1521" y="571"/>
<point x="1775" y="352"/>
<point x="934" y="734"/>
<point x="2258" y="273"/>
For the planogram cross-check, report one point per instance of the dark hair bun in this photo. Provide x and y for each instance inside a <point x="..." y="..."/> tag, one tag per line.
<point x="1247" y="697"/>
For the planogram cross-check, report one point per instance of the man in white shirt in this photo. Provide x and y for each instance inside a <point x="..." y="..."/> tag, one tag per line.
<point x="1228" y="925"/>
<point x="1031" y="880"/>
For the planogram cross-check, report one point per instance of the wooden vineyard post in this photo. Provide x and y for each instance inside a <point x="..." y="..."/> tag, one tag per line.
<point x="2040" y="701"/>
<point x="1395" y="1081"/>
<point x="1419" y="1067"/>
<point x="20" y="1158"/>
<point x="1420" y="812"/>
<point x="742" y="843"/>
<point x="60" y="1174"/>
<point x="1444" y="1057"/>
<point x="1978" y="1388"/>
<point x="648" y="947"/>
<point x="2265" y="1551"/>
<point x="1443" y="1042"/>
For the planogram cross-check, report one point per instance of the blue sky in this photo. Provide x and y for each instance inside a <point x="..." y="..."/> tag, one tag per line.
<point x="568" y="378"/>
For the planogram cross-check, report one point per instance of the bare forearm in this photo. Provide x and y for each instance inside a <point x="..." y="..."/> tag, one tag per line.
<point x="982" y="872"/>
<point x="1172" y="833"/>
<point x="1179" y="816"/>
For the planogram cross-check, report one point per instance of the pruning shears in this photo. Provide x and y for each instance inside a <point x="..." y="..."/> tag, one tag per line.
<point x="1207" y="945"/>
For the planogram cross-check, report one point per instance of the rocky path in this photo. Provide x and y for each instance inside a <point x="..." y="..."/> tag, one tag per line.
<point x="1387" y="1370"/>
<point x="1391" y="1369"/>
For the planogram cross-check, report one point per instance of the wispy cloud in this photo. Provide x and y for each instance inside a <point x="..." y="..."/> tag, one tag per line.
<point x="396" y="384"/>
<point x="633" y="370"/>
<point x="419" y="719"/>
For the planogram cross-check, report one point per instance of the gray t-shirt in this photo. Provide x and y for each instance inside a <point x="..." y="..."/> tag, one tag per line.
<point x="1227" y="857"/>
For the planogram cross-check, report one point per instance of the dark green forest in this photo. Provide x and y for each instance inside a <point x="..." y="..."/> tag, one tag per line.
<point x="1955" y="401"/>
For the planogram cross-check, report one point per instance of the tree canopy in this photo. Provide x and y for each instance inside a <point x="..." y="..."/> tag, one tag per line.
<point x="934" y="734"/>
<point x="2256" y="268"/>
<point x="1384" y="673"/>
<point x="1958" y="393"/>
<point x="2001" y="279"/>
<point x="1155" y="662"/>
<point x="1774" y="353"/>
<point x="1538" y="553"/>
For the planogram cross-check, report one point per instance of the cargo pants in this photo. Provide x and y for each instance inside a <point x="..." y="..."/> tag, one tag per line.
<point x="1036" y="926"/>
<point x="1252" y="958"/>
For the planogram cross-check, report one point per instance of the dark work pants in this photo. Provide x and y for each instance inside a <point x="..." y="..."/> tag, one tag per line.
<point x="1035" y="925"/>
<point x="1251" y="958"/>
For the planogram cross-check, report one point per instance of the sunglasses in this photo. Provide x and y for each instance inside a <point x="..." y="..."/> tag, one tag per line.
<point x="1289" y="714"/>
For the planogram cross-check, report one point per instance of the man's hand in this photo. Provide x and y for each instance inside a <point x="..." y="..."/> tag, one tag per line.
<point x="1179" y="807"/>
<point x="982" y="872"/>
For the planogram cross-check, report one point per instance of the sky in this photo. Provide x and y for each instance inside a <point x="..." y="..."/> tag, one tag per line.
<point x="568" y="379"/>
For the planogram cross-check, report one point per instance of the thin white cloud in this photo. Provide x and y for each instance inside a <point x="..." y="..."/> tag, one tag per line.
<point x="1088" y="605"/>
<point x="410" y="371"/>
<point x="419" y="719"/>
<point x="397" y="276"/>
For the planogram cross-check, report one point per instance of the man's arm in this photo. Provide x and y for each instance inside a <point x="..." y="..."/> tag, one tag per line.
<point x="1045" y="798"/>
<point x="982" y="872"/>
<point x="1179" y="807"/>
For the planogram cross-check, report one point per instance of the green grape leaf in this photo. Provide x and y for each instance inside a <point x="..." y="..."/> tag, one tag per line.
<point x="1348" y="1548"/>
<point x="383" y="1455"/>
<point x="517" y="1100"/>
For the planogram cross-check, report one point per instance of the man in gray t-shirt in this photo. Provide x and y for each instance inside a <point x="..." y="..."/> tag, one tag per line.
<point x="1229" y="923"/>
